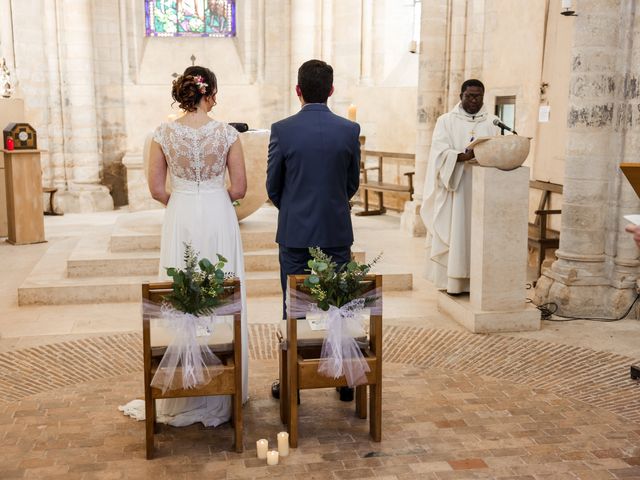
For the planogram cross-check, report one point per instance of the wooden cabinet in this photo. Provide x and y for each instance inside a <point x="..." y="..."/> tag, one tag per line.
<point x="23" y="182"/>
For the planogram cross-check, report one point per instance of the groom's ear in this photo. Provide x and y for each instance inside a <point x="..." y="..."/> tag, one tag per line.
<point x="331" y="91"/>
<point x="298" y="91"/>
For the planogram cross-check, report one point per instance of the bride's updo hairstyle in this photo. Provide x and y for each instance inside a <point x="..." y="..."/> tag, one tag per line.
<point x="189" y="88"/>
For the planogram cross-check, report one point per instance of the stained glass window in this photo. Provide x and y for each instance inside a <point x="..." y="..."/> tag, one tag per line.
<point x="196" y="18"/>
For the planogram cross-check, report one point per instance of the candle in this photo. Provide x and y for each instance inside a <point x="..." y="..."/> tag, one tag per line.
<point x="566" y="4"/>
<point x="351" y="112"/>
<point x="272" y="457"/>
<point x="283" y="444"/>
<point x="262" y="446"/>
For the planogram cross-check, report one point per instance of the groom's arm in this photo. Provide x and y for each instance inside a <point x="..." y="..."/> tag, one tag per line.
<point x="353" y="179"/>
<point x="275" y="169"/>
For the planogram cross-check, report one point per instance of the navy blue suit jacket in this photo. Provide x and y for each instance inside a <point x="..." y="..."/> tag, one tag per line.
<point x="312" y="172"/>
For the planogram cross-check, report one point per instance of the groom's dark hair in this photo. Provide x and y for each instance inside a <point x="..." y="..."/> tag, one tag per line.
<point x="315" y="79"/>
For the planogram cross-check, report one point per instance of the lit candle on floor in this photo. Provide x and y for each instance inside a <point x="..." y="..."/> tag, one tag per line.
<point x="351" y="112"/>
<point x="283" y="444"/>
<point x="262" y="446"/>
<point x="272" y="457"/>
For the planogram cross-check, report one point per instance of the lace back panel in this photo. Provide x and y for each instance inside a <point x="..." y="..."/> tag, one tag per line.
<point x="196" y="157"/>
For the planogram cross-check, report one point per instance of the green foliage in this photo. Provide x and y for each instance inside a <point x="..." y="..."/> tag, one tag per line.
<point x="333" y="285"/>
<point x="198" y="287"/>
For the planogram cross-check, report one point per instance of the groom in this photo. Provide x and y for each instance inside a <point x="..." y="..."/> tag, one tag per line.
<point x="312" y="172"/>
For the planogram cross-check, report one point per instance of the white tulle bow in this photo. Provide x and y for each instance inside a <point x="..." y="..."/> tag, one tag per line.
<point x="189" y="346"/>
<point x="341" y="354"/>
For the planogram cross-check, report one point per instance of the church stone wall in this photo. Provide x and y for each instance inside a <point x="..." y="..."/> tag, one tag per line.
<point x="94" y="86"/>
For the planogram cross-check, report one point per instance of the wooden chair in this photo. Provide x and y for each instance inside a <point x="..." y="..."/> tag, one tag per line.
<point x="300" y="359"/>
<point x="540" y="237"/>
<point x="226" y="343"/>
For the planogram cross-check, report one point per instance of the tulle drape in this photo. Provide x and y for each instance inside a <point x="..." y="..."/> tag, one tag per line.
<point x="341" y="354"/>
<point x="197" y="362"/>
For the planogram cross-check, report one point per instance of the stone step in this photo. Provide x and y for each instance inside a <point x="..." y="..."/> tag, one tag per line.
<point x="48" y="283"/>
<point x="92" y="258"/>
<point x="141" y="231"/>
<point x="65" y="291"/>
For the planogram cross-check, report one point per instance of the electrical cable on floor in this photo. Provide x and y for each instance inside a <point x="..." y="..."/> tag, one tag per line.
<point x="548" y="310"/>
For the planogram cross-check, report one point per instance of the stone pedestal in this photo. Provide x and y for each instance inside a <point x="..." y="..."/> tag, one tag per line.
<point x="84" y="198"/>
<point x="11" y="110"/>
<point x="499" y="220"/>
<point x="23" y="178"/>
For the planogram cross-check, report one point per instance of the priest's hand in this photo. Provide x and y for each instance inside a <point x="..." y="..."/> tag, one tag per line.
<point x="635" y="229"/>
<point x="466" y="156"/>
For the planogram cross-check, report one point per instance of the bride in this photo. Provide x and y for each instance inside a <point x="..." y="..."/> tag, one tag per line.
<point x="196" y="151"/>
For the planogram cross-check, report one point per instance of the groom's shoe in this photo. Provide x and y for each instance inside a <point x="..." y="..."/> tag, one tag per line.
<point x="275" y="391"/>
<point x="346" y="394"/>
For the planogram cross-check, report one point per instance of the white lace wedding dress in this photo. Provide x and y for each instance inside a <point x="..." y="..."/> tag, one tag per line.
<point x="199" y="212"/>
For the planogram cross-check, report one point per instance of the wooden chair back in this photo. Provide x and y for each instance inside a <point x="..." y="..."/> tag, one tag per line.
<point x="540" y="237"/>
<point x="299" y="368"/>
<point x="228" y="382"/>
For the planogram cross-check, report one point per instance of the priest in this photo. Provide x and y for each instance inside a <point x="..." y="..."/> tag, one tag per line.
<point x="446" y="207"/>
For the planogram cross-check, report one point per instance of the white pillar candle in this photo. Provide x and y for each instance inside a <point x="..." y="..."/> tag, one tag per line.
<point x="566" y="4"/>
<point x="262" y="446"/>
<point x="351" y="112"/>
<point x="283" y="444"/>
<point x="272" y="457"/>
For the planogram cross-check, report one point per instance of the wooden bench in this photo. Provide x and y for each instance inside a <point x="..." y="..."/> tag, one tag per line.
<point x="541" y="237"/>
<point x="378" y="185"/>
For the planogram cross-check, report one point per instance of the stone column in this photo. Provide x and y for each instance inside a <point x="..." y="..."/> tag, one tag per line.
<point x="596" y="269"/>
<point x="305" y="33"/>
<point x="84" y="192"/>
<point x="457" y="51"/>
<point x="366" y="57"/>
<point x="431" y="97"/>
<point x="326" y="52"/>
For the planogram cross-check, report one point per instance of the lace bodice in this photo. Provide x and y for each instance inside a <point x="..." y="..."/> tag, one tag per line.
<point x="196" y="157"/>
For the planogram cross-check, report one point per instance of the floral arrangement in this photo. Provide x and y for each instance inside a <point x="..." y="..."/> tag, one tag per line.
<point x="331" y="285"/>
<point x="197" y="288"/>
<point x="200" y="83"/>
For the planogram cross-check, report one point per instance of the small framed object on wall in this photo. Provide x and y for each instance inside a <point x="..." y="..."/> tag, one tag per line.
<point x="23" y="135"/>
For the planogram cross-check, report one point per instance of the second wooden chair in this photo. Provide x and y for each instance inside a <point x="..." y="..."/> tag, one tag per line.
<point x="300" y="349"/>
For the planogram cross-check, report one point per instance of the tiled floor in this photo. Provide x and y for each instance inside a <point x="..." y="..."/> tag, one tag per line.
<point x="455" y="405"/>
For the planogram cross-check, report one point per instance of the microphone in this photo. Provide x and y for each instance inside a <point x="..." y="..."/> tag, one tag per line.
<point x="502" y="126"/>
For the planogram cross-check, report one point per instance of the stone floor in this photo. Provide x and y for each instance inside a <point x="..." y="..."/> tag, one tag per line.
<point x="557" y="403"/>
<point x="442" y="418"/>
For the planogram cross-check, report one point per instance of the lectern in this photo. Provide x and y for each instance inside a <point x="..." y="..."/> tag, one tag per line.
<point x="498" y="247"/>
<point x="23" y="180"/>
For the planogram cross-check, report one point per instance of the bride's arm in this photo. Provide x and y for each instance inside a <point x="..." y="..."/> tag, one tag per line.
<point x="237" y="172"/>
<point x="158" y="174"/>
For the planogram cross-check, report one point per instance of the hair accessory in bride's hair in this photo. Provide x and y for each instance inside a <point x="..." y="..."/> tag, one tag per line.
<point x="202" y="86"/>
